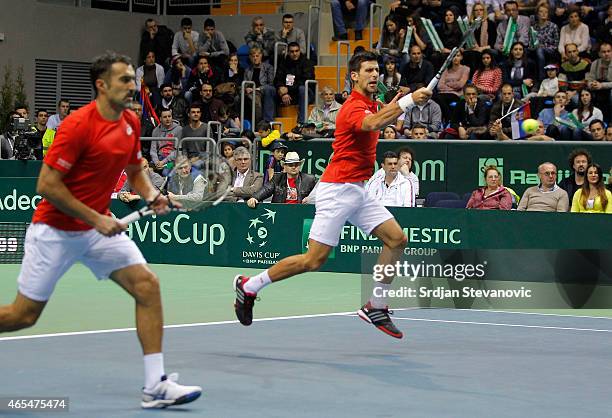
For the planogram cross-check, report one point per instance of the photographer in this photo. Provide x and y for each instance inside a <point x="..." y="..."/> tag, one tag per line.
<point x="21" y="141"/>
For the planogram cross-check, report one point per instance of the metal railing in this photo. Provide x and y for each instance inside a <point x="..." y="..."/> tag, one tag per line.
<point x="277" y="123"/>
<point x="316" y="7"/>
<point x="306" y="93"/>
<point x="242" y="94"/>
<point x="209" y="129"/>
<point x="276" y="45"/>
<point x="242" y="141"/>
<point x="373" y="8"/>
<point x="348" y="53"/>
<point x="161" y="138"/>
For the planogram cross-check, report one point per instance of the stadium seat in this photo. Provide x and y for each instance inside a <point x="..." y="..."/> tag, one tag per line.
<point x="243" y="55"/>
<point x="452" y="203"/>
<point x="433" y="197"/>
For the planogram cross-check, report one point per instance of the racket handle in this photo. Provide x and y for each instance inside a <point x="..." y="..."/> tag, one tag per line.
<point x="136" y="215"/>
<point x="434" y="82"/>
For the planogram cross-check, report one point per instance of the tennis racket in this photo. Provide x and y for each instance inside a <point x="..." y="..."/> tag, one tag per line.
<point x="216" y="176"/>
<point x="449" y="60"/>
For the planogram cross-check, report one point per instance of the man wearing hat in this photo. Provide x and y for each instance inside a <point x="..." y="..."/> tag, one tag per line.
<point x="290" y="186"/>
<point x="273" y="164"/>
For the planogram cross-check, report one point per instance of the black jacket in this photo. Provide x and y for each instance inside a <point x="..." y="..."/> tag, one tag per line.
<point x="480" y="117"/>
<point x="161" y="45"/>
<point x="302" y="69"/>
<point x="277" y="187"/>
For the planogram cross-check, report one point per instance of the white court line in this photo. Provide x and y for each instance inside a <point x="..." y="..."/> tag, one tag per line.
<point x="196" y="324"/>
<point x="533" y="313"/>
<point x="350" y="313"/>
<point x="504" y="325"/>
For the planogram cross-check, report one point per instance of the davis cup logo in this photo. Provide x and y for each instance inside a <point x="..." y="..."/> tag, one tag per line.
<point x="258" y="233"/>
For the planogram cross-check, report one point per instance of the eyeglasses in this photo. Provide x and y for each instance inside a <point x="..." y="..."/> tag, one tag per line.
<point x="292" y="164"/>
<point x="550" y="173"/>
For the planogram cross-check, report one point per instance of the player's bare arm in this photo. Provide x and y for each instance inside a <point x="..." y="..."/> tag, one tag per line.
<point x="394" y="109"/>
<point x="52" y="187"/>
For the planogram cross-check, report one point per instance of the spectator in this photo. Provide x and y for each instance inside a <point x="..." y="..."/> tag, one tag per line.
<point x="227" y="152"/>
<point x="157" y="38"/>
<point x="212" y="44"/>
<point x="63" y="107"/>
<point x="550" y="85"/>
<point x="204" y="73"/>
<point x="452" y="83"/>
<point x="178" y="75"/>
<point x="576" y="33"/>
<point x="127" y="193"/>
<point x="245" y="182"/>
<point x="233" y="73"/>
<point x="502" y="107"/>
<point x="511" y="10"/>
<point x="599" y="79"/>
<point x="493" y="195"/>
<point x="273" y="164"/>
<point x="210" y="105"/>
<point x="406" y="167"/>
<point x="152" y="75"/>
<point x="471" y="115"/>
<point x="164" y="151"/>
<point x="484" y="36"/>
<point x="392" y="189"/>
<point x="428" y="116"/>
<point x="547" y="196"/>
<point x="609" y="133"/>
<point x="291" y="186"/>
<point x="550" y="117"/>
<point x="597" y="131"/>
<point x="262" y="74"/>
<point x="578" y="161"/>
<point x="186" y="186"/>
<point x="573" y="72"/>
<point x="488" y="77"/>
<point x="418" y="131"/>
<point x="392" y="37"/>
<point x="449" y="34"/>
<point x="186" y="40"/>
<point x="146" y="130"/>
<point x="324" y="117"/>
<point x="519" y="71"/>
<point x="194" y="129"/>
<point x="7" y="140"/>
<point x="389" y="133"/>
<point x="593" y="197"/>
<point x="291" y="77"/>
<point x="267" y="135"/>
<point x="341" y="9"/>
<point x="540" y="134"/>
<point x="586" y="112"/>
<point x="261" y="37"/>
<point x="175" y="103"/>
<point x="603" y="30"/>
<point x="418" y="72"/>
<point x="548" y="38"/>
<point x="289" y="33"/>
<point x="390" y="77"/>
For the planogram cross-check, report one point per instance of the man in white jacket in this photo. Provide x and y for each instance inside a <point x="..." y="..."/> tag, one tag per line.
<point x="389" y="186"/>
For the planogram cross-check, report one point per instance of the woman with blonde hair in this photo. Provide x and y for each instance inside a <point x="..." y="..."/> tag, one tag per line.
<point x="493" y="195"/>
<point x="593" y="197"/>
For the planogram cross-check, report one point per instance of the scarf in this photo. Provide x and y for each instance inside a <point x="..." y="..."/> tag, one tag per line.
<point x="484" y="34"/>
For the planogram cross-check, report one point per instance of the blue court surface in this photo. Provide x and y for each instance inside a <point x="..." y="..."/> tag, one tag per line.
<point x="451" y="363"/>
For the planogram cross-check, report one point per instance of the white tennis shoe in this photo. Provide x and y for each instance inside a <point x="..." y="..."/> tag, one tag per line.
<point x="168" y="392"/>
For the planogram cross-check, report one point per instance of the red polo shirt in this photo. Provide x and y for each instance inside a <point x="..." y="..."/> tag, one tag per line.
<point x="354" y="149"/>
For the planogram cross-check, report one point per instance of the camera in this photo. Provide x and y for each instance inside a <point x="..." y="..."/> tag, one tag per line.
<point x="27" y="139"/>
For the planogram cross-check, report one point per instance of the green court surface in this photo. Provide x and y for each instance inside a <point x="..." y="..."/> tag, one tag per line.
<point x="191" y="294"/>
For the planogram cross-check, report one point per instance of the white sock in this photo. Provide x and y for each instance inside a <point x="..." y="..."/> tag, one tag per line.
<point x="154" y="369"/>
<point x="258" y="282"/>
<point x="379" y="302"/>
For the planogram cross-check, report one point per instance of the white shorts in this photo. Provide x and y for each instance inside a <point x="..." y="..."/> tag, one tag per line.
<point x="50" y="252"/>
<point x="337" y="203"/>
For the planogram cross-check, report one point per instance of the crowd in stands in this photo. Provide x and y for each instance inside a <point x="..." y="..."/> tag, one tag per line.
<point x="550" y="60"/>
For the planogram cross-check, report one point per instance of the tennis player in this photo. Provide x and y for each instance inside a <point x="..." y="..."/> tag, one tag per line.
<point x="73" y="222"/>
<point x="341" y="196"/>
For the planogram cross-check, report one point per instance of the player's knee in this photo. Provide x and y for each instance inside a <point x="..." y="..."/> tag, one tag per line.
<point x="398" y="241"/>
<point x="146" y="288"/>
<point x="313" y="262"/>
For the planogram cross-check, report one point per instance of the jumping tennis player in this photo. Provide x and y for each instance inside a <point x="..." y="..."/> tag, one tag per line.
<point x="73" y="222"/>
<point x="341" y="195"/>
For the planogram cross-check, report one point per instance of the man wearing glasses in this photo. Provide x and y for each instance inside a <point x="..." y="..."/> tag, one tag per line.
<point x="290" y="33"/>
<point x="261" y="37"/>
<point x="547" y="196"/>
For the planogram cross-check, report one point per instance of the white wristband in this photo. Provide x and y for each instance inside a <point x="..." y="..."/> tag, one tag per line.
<point x="406" y="102"/>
